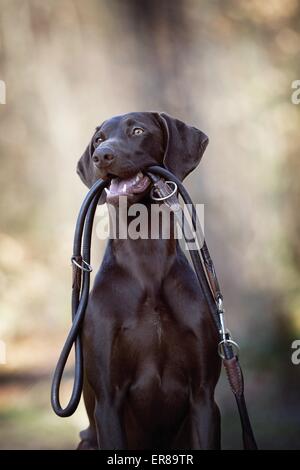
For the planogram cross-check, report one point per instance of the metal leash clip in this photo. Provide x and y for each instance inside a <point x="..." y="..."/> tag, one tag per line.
<point x="155" y="189"/>
<point x="225" y="333"/>
<point x="87" y="268"/>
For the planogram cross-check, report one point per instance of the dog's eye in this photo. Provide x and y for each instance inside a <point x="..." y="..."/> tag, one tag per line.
<point x="137" y="131"/>
<point x="98" y="140"/>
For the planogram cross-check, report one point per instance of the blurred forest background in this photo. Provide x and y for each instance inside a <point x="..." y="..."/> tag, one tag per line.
<point x="225" y="66"/>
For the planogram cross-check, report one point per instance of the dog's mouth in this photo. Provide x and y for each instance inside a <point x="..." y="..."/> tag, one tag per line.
<point x="134" y="185"/>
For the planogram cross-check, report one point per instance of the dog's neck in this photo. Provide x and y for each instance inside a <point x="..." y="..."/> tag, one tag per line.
<point x="144" y="240"/>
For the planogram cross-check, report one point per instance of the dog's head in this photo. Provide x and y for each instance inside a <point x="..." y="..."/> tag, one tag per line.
<point x="124" y="146"/>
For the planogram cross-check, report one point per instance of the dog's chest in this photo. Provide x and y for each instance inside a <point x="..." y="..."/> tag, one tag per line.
<point x="148" y="325"/>
<point x="151" y="354"/>
<point x="151" y="337"/>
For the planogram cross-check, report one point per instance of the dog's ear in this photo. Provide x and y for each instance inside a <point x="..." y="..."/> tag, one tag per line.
<point x="184" y="146"/>
<point x="85" y="168"/>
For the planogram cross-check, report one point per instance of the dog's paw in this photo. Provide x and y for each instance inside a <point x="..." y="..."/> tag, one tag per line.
<point x="85" y="444"/>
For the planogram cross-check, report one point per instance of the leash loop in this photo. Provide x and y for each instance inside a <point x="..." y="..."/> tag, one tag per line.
<point x="80" y="293"/>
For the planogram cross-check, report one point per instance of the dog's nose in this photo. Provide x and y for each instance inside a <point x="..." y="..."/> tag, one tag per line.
<point x="103" y="159"/>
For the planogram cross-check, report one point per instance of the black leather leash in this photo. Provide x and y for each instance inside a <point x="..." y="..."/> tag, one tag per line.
<point x="206" y="275"/>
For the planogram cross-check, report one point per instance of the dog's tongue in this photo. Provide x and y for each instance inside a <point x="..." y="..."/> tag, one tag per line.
<point x="125" y="186"/>
<point x="122" y="186"/>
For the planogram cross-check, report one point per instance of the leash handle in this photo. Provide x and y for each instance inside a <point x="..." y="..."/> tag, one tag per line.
<point x="80" y="293"/>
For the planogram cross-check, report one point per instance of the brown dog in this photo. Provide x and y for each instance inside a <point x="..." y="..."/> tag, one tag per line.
<point x="151" y="362"/>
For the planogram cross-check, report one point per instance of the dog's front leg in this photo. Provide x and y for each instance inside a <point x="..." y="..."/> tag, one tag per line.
<point x="205" y="423"/>
<point x="109" y="424"/>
